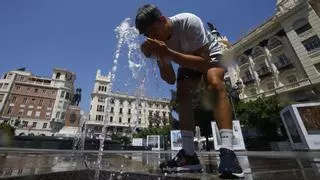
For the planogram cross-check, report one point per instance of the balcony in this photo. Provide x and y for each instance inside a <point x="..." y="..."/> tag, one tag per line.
<point x="264" y="72"/>
<point x="242" y="62"/>
<point x="275" y="46"/>
<point x="247" y="79"/>
<point x="294" y="85"/>
<point x="282" y="65"/>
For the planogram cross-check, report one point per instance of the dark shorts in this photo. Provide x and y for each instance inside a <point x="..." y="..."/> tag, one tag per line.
<point x="186" y="73"/>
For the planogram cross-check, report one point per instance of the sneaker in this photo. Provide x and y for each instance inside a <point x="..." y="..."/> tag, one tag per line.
<point x="182" y="163"/>
<point x="229" y="164"/>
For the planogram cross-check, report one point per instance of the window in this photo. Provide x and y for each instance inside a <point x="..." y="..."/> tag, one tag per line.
<point x="44" y="91"/>
<point x="243" y="60"/>
<point x="58" y="115"/>
<point x="63" y="115"/>
<point x="312" y="44"/>
<point x="112" y="101"/>
<point x="64" y="105"/>
<point x="44" y="125"/>
<point x="264" y="67"/>
<point x="33" y="100"/>
<point x="100" y="108"/>
<point x="129" y="111"/>
<point x="253" y="91"/>
<point x="301" y="25"/>
<point x="139" y="120"/>
<point x="40" y="102"/>
<point x="58" y="76"/>
<point x="150" y="113"/>
<point x="21" y="112"/>
<point x="18" y="87"/>
<point x="37" y="114"/>
<point x="101" y="99"/>
<point x="28" y="89"/>
<point x="36" y="90"/>
<point x="99" y="117"/>
<point x="68" y="96"/>
<point x="5" y="85"/>
<point x="317" y="66"/>
<point x="1" y="84"/>
<point x="292" y="79"/>
<point x="129" y="120"/>
<point x="62" y="94"/>
<point x="120" y="111"/>
<point x="274" y="42"/>
<point x="9" y="111"/>
<point x="73" y="118"/>
<point x="111" y="118"/>
<point x="34" y="124"/>
<point x="50" y="104"/>
<point x="1" y="97"/>
<point x="121" y="102"/>
<point x="29" y="113"/>
<point x="270" y="86"/>
<point x="120" y="119"/>
<point x="48" y="114"/>
<point x="111" y="110"/>
<point x="24" y="101"/>
<point x="25" y="123"/>
<point x="14" y="98"/>
<point x="257" y="52"/>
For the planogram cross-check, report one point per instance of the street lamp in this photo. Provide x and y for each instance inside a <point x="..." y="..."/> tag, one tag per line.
<point x="233" y="92"/>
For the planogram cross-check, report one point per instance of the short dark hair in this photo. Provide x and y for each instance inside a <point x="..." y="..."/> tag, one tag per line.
<point x="146" y="16"/>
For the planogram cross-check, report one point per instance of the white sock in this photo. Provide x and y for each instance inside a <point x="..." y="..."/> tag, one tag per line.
<point x="226" y="136"/>
<point x="187" y="142"/>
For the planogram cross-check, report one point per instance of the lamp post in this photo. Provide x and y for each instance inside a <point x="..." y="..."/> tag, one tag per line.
<point x="233" y="92"/>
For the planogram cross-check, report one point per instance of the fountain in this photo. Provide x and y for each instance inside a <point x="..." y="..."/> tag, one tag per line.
<point x="126" y="35"/>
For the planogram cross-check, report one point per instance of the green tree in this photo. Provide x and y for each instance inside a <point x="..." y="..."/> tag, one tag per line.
<point x="8" y="129"/>
<point x="263" y="114"/>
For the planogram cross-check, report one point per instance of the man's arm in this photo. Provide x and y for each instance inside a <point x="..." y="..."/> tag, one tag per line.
<point x="166" y="71"/>
<point x="193" y="60"/>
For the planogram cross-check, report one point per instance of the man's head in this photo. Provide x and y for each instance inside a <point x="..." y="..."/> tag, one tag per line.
<point x="151" y="23"/>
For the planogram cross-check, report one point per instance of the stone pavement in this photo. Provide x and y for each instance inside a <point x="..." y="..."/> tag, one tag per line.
<point x="144" y="165"/>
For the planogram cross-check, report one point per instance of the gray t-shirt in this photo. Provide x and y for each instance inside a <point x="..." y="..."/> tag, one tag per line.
<point x="189" y="35"/>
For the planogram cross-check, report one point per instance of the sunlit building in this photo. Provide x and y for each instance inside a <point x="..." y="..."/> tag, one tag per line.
<point x="282" y="55"/>
<point x="125" y="112"/>
<point x="31" y="103"/>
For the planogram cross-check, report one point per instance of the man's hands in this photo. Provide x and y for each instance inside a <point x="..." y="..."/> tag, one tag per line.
<point x="159" y="50"/>
<point x="153" y="47"/>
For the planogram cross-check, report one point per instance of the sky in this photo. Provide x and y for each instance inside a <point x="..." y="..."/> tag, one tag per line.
<point x="79" y="35"/>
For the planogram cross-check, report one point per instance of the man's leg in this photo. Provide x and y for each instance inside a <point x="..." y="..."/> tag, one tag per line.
<point x="221" y="107"/>
<point x="229" y="164"/>
<point x="186" y="159"/>
<point x="185" y="92"/>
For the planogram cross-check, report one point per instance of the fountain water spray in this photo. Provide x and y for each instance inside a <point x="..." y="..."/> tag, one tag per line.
<point x="126" y="35"/>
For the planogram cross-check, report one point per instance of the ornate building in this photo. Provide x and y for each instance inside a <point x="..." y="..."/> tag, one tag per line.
<point x="124" y="112"/>
<point x="31" y="103"/>
<point x="282" y="55"/>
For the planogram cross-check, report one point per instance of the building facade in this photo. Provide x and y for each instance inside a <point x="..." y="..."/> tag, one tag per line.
<point x="281" y="56"/>
<point x="125" y="112"/>
<point x="31" y="103"/>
